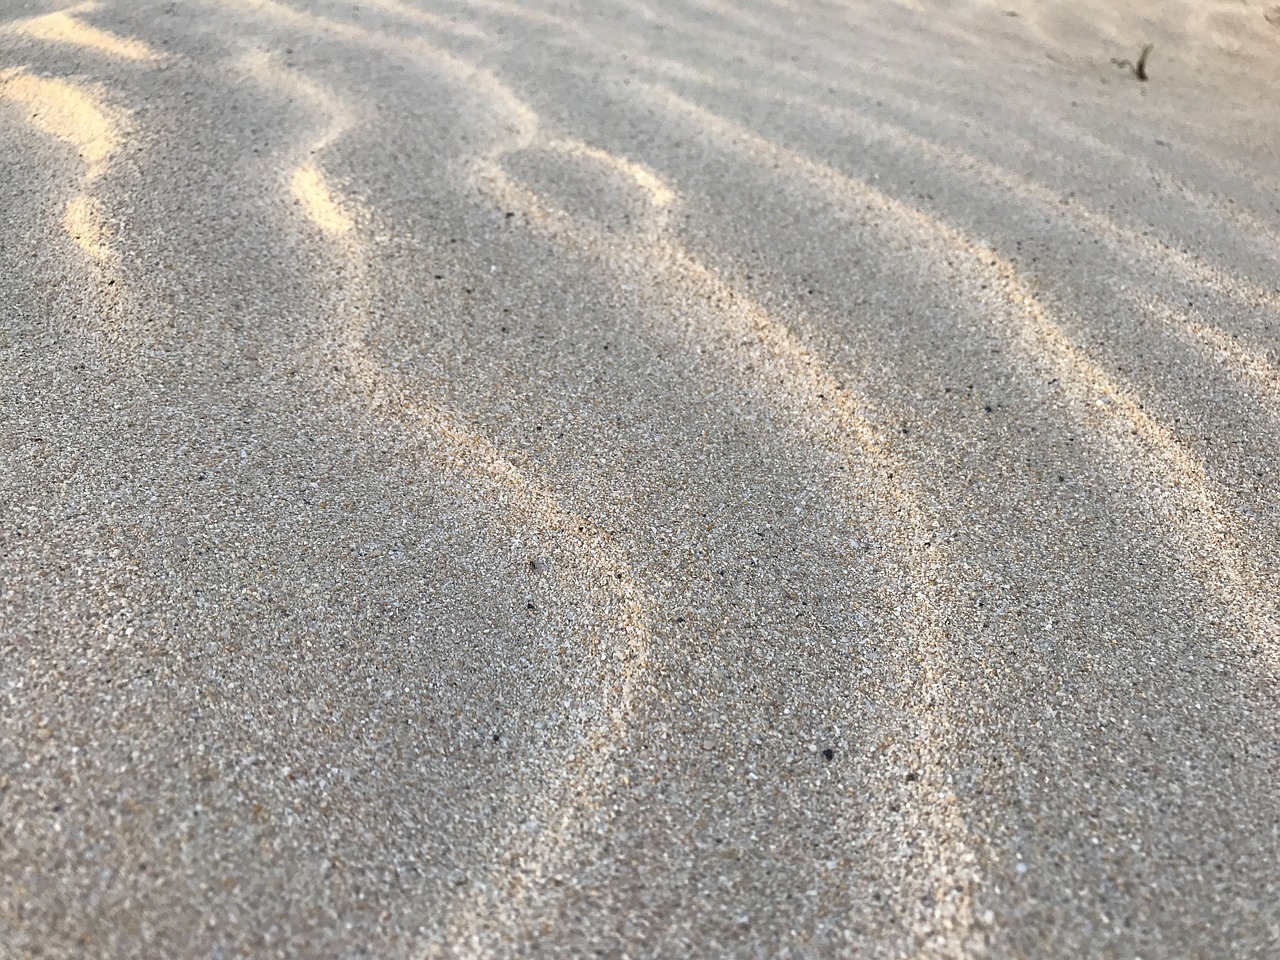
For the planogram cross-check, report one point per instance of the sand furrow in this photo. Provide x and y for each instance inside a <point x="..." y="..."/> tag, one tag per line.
<point x="1227" y="571"/>
<point x="817" y="397"/>
<point x="620" y="652"/>
<point x="662" y="478"/>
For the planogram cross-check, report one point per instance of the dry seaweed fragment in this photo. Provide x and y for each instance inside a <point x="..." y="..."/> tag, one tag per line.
<point x="1139" y="69"/>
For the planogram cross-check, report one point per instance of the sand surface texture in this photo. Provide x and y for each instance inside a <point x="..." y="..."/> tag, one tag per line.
<point x="680" y="478"/>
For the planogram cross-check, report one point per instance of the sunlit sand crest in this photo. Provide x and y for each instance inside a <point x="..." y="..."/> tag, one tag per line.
<point x="956" y="879"/>
<point x="63" y="27"/>
<point x="1247" y="363"/>
<point x="407" y="12"/>
<point x="310" y="190"/>
<point x="1042" y="337"/>
<point x="522" y="121"/>
<point x="83" y="223"/>
<point x="77" y="116"/>
<point x="534" y="505"/>
<point x="74" y="114"/>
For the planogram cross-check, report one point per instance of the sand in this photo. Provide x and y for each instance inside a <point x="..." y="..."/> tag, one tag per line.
<point x="648" y="479"/>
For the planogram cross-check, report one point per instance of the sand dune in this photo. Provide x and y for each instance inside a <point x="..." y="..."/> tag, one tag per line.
<point x="682" y="478"/>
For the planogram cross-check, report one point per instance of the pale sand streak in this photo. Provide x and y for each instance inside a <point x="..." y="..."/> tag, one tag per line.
<point x="1247" y="363"/>
<point x="77" y="115"/>
<point x="1219" y="562"/>
<point x="1237" y="286"/>
<point x="954" y="880"/>
<point x="897" y="80"/>
<point x="521" y="132"/>
<point x="1028" y="191"/>
<point x="63" y="27"/>
<point x="444" y="24"/>
<point x="1125" y="240"/>
<point x="533" y="504"/>
<point x="309" y="189"/>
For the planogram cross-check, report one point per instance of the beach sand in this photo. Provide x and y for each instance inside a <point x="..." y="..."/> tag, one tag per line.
<point x="485" y="478"/>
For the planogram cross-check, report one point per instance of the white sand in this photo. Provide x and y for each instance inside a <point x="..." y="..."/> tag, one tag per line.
<point x="704" y="479"/>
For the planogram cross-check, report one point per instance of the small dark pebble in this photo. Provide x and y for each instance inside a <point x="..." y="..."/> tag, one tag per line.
<point x="529" y="605"/>
<point x="829" y="753"/>
<point x="912" y="777"/>
<point x="988" y="408"/>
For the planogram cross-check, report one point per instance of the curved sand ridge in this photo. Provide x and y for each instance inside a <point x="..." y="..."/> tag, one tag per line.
<point x="78" y="117"/>
<point x="622" y="648"/>
<point x="805" y="377"/>
<point x="725" y="309"/>
<point x="81" y="115"/>
<point x="63" y="26"/>
<point x="1241" y="579"/>
<point x="805" y="374"/>
<point x="811" y="393"/>
<point x="76" y="114"/>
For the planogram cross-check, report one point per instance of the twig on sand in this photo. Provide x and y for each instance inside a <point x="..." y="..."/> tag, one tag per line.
<point x="1140" y="68"/>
